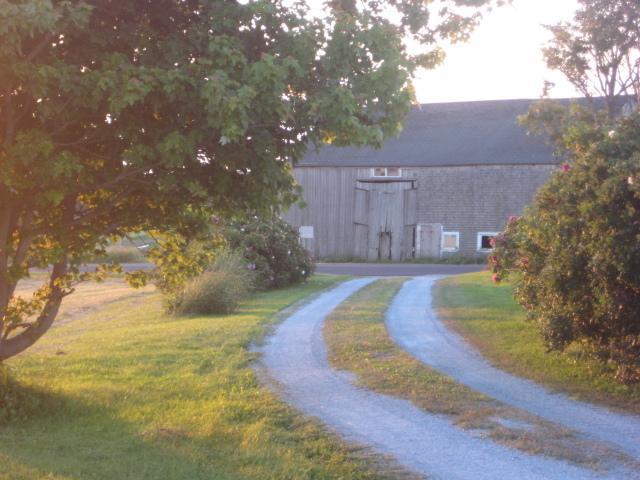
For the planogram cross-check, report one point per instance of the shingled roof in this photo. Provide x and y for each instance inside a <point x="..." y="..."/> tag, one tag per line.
<point x="449" y="134"/>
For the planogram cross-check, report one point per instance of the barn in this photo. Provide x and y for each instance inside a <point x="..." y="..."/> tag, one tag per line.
<point x="444" y="186"/>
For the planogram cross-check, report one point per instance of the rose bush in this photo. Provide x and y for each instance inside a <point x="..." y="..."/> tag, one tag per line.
<point x="576" y="250"/>
<point x="272" y="249"/>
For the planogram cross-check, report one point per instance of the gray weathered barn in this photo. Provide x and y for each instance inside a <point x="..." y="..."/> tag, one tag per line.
<point x="444" y="186"/>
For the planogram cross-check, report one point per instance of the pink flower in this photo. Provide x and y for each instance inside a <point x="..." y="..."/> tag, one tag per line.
<point x="493" y="259"/>
<point x="496" y="278"/>
<point x="513" y="218"/>
<point x="566" y="167"/>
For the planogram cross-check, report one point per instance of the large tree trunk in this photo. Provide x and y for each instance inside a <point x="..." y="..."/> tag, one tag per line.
<point x="12" y="346"/>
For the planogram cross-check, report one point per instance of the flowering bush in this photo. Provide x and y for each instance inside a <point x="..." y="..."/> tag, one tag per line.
<point x="272" y="249"/>
<point x="577" y="251"/>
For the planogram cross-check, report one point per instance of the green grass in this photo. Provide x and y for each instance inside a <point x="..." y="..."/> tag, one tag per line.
<point x="128" y="392"/>
<point x="490" y="319"/>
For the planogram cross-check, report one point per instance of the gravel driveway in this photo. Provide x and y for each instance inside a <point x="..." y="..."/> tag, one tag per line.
<point x="295" y="359"/>
<point x="413" y="325"/>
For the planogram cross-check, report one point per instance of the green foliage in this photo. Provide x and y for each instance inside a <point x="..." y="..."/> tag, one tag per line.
<point x="577" y="251"/>
<point x="179" y="258"/>
<point x="129" y="116"/>
<point x="272" y="248"/>
<point x="576" y="246"/>
<point x="219" y="289"/>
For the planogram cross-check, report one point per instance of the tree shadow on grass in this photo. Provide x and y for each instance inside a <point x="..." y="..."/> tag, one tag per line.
<point x="19" y="403"/>
<point x="60" y="437"/>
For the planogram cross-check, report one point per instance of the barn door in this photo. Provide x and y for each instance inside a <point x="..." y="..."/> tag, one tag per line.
<point x="384" y="246"/>
<point x="385" y="220"/>
<point x="410" y="221"/>
<point x="361" y="221"/>
<point x="428" y="240"/>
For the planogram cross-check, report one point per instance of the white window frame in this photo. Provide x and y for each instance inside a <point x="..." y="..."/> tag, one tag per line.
<point x="386" y="173"/>
<point x="479" y="241"/>
<point x="306" y="232"/>
<point x="451" y="234"/>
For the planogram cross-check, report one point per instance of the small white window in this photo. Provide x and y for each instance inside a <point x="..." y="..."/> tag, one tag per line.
<point x="450" y="241"/>
<point x="306" y="232"/>
<point x="393" y="172"/>
<point x="485" y="241"/>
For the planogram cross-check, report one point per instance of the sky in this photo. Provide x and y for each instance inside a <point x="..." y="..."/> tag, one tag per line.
<point x="503" y="58"/>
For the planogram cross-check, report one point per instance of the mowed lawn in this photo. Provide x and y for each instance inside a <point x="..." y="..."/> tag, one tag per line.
<point x="487" y="315"/>
<point x="127" y="392"/>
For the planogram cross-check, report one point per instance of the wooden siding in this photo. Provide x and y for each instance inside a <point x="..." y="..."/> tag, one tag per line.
<point x="461" y="199"/>
<point x="330" y="197"/>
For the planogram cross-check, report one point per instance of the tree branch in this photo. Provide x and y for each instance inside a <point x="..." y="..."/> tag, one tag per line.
<point x="10" y="347"/>
<point x="39" y="48"/>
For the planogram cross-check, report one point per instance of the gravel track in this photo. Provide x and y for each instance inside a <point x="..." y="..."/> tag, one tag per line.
<point x="295" y="360"/>
<point x="413" y="324"/>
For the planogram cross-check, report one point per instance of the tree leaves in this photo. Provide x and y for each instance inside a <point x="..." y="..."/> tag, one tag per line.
<point x="127" y="116"/>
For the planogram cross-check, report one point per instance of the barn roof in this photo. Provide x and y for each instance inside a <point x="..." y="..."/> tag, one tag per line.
<point x="449" y="134"/>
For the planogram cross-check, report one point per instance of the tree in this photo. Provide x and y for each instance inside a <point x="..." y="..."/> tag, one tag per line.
<point x="129" y="115"/>
<point x="599" y="52"/>
<point x="576" y="251"/>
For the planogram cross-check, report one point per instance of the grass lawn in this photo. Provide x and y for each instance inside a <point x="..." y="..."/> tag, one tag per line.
<point x="358" y="342"/>
<point x="489" y="318"/>
<point x="127" y="392"/>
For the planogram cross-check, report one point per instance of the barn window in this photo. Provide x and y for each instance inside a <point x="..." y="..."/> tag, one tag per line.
<point x="306" y="232"/>
<point x="485" y="241"/>
<point x="450" y="241"/>
<point x="386" y="172"/>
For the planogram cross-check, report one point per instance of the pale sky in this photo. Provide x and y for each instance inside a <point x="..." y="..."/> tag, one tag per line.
<point x="503" y="58"/>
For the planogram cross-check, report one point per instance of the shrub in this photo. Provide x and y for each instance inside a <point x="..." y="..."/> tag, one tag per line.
<point x="218" y="289"/>
<point x="272" y="247"/>
<point x="577" y="251"/>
